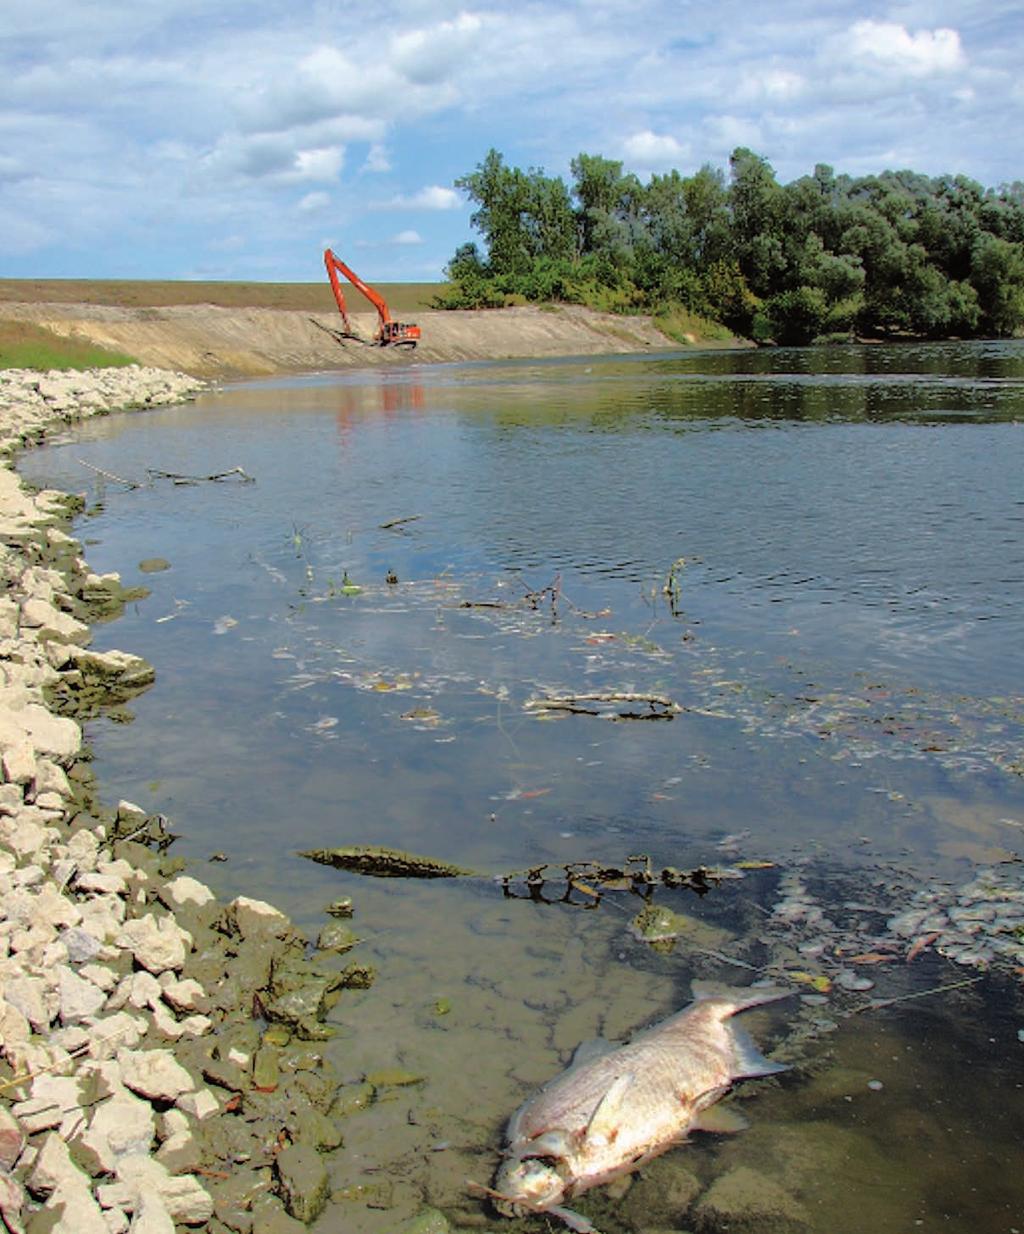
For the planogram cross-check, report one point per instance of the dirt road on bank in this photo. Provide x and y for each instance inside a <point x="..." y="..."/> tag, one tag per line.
<point x="234" y="342"/>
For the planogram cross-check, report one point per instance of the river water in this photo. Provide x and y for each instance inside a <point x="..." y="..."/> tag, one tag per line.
<point x="812" y="561"/>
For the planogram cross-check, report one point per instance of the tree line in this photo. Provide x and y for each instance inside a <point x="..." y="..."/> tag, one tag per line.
<point x="824" y="257"/>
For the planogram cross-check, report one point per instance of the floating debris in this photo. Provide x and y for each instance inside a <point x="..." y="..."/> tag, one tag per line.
<point x="978" y="925"/>
<point x="653" y="706"/>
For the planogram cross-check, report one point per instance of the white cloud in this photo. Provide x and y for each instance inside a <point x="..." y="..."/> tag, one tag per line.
<point x="432" y="54"/>
<point x="182" y="120"/>
<point x="407" y="237"/>
<point x="433" y="197"/>
<point x="323" y="164"/>
<point x="893" y="46"/>
<point x="651" y="151"/>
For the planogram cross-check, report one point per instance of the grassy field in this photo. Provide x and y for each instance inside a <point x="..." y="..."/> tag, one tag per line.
<point x="23" y="345"/>
<point x="308" y="297"/>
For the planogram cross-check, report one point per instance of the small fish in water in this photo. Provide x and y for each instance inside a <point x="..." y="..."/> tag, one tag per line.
<point x="616" y="1108"/>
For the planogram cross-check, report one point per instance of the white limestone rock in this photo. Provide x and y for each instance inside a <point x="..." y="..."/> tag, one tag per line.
<point x="185" y="1198"/>
<point x="56" y="736"/>
<point x="19" y="761"/>
<point x="74" y="1211"/>
<point x="151" y="1215"/>
<point x="157" y="944"/>
<point x="53" y="1097"/>
<point x="183" y="995"/>
<point x="154" y="1074"/>
<point x="47" y="621"/>
<point x="79" y="998"/>
<point x="100" y="884"/>
<point x="33" y="998"/>
<point x="185" y="890"/>
<point x="99" y="975"/>
<point x="252" y="918"/>
<point x="54" y="1168"/>
<point x="121" y="1126"/>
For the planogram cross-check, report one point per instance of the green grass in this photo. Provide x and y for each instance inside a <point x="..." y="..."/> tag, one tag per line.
<point x="307" y="297"/>
<point x="23" y="345"/>
<point x="686" y="327"/>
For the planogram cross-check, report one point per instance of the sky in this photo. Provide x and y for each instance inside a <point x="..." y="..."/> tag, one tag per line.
<point x="227" y="139"/>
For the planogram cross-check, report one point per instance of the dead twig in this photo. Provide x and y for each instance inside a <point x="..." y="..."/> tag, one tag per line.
<point x="877" y="1004"/>
<point x="101" y="1039"/>
<point x="109" y="475"/>
<point x="178" y="478"/>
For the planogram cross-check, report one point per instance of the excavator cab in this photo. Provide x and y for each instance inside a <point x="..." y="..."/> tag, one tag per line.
<point x="389" y="333"/>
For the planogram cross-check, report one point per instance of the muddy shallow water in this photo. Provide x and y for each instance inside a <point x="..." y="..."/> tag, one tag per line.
<point x="815" y="556"/>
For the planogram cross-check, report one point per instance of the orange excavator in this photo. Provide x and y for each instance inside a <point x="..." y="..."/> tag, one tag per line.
<point x="389" y="333"/>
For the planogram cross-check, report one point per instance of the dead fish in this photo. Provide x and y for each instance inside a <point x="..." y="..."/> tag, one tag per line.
<point x="616" y="1108"/>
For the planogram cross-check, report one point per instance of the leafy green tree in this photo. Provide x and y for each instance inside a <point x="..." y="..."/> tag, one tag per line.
<point x="898" y="253"/>
<point x="997" y="276"/>
<point x="756" y="205"/>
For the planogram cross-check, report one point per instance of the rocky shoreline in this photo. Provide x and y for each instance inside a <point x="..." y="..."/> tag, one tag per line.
<point x="158" y="1056"/>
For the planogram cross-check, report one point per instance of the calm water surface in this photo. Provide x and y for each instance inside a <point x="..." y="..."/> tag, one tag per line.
<point x="817" y="555"/>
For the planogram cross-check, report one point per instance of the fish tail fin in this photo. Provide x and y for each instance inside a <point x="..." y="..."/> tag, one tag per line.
<point x="740" y="998"/>
<point x="749" y="1061"/>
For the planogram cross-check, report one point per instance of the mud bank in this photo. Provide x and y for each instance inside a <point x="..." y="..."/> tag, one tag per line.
<point x="257" y="342"/>
<point x="159" y="1064"/>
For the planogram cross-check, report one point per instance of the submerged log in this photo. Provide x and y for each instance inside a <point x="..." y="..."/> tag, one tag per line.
<point x="379" y="862"/>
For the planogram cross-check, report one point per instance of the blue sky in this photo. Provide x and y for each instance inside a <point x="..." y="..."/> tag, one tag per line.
<point x="227" y="139"/>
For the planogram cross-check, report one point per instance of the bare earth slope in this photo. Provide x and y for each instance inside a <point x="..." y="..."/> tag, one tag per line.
<point x="210" y="341"/>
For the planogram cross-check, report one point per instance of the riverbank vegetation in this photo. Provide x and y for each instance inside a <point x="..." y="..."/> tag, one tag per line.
<point x="25" y="345"/>
<point x="825" y="257"/>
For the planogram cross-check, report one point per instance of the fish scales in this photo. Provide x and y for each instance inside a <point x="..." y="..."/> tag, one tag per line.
<point x="672" y="1066"/>
<point x="606" y="1115"/>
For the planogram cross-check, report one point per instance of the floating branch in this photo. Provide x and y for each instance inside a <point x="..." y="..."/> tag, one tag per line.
<point x="219" y="475"/>
<point x="591" y="879"/>
<point x="547" y="882"/>
<point x="109" y="475"/>
<point x="398" y="522"/>
<point x="659" y="707"/>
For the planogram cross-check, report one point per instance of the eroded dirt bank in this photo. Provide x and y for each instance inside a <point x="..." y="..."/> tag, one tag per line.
<point x="214" y="342"/>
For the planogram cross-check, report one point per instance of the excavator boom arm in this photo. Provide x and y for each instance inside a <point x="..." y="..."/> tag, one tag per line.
<point x="339" y="296"/>
<point x="334" y="266"/>
<point x="388" y="330"/>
